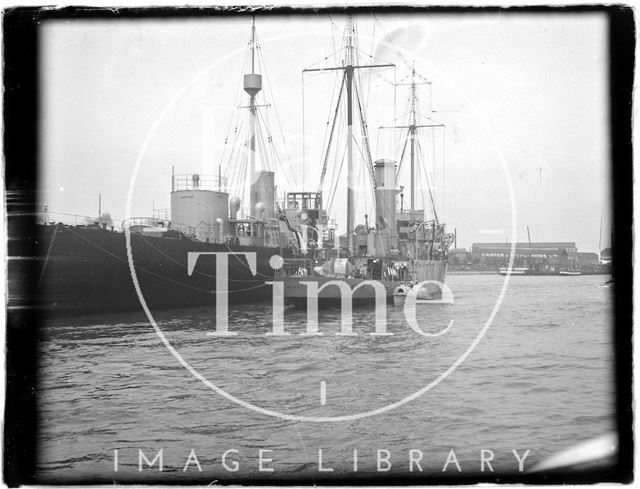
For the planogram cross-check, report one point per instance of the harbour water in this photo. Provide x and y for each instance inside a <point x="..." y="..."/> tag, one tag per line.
<point x="541" y="379"/>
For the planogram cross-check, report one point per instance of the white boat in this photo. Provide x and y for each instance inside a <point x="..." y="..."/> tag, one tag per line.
<point x="425" y="294"/>
<point x="513" y="271"/>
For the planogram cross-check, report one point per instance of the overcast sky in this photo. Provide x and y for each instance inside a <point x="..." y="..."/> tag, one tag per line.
<point x="533" y="88"/>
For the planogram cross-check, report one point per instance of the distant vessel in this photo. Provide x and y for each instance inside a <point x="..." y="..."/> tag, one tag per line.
<point x="539" y="270"/>
<point x="401" y="249"/>
<point x="513" y="271"/>
<point x="84" y="268"/>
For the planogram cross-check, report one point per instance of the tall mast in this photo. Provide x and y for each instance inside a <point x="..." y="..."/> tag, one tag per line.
<point x="253" y="44"/>
<point x="600" y="236"/>
<point x="252" y="85"/>
<point x="412" y="136"/>
<point x="412" y="132"/>
<point x="349" y="81"/>
<point x="349" y="68"/>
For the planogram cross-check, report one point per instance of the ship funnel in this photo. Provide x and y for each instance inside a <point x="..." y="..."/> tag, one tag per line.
<point x="234" y="207"/>
<point x="252" y="84"/>
<point x="196" y="204"/>
<point x="263" y="192"/>
<point x="385" y="194"/>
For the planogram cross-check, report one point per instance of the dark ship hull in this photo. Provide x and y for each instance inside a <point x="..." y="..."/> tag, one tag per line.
<point x="85" y="269"/>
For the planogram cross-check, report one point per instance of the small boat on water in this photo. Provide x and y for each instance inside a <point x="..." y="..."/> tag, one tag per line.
<point x="422" y="293"/>
<point x="609" y="283"/>
<point x="513" y="271"/>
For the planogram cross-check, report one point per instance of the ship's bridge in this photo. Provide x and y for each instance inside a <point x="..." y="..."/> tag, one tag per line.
<point x="195" y="181"/>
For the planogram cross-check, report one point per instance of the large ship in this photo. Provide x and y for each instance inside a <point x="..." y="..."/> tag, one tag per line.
<point x="402" y="248"/>
<point x="85" y="267"/>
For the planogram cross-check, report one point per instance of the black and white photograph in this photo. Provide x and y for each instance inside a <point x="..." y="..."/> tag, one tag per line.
<point x="346" y="245"/>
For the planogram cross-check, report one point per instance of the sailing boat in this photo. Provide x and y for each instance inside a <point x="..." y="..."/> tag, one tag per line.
<point x="604" y="255"/>
<point x="605" y="258"/>
<point x="402" y="249"/>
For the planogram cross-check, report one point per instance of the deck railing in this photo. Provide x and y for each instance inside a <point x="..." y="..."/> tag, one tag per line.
<point x="216" y="183"/>
<point x="48" y="217"/>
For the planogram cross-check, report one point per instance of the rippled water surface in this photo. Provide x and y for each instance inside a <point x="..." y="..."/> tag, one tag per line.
<point x="541" y="379"/>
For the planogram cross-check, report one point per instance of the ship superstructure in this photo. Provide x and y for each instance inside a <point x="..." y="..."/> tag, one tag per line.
<point x="398" y="246"/>
<point x="84" y="267"/>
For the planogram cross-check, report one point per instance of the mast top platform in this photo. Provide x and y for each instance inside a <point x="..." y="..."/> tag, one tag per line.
<point x="252" y="84"/>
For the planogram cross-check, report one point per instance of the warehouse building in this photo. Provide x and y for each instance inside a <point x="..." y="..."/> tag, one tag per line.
<point x="495" y="255"/>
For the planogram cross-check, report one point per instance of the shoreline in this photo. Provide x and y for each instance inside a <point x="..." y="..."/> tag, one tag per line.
<point x="472" y="272"/>
<point x="484" y="272"/>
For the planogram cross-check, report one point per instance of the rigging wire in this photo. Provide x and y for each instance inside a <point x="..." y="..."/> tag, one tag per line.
<point x="335" y="119"/>
<point x="326" y="141"/>
<point x="356" y="57"/>
<point x="304" y="140"/>
<point x="370" y="78"/>
<point x="404" y="141"/>
<point x="334" y="182"/>
<point x="238" y="130"/>
<point x="275" y="155"/>
<point x="243" y="172"/>
<point x="371" y="56"/>
<point x="237" y="149"/>
<point x="365" y="138"/>
<point x="431" y="198"/>
<point x="394" y="136"/>
<point x="365" y="196"/>
<point x="324" y="59"/>
<point x="404" y="148"/>
<point x="275" y="109"/>
<point x="430" y="98"/>
<point x="334" y="27"/>
<point x="433" y="157"/>
<point x="335" y="187"/>
<point x="260" y="149"/>
<point x="444" y="166"/>
<point x="234" y="112"/>
<point x="361" y="170"/>
<point x="234" y="137"/>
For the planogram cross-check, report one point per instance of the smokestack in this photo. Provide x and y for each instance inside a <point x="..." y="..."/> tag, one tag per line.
<point x="263" y="191"/>
<point x="385" y="194"/>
